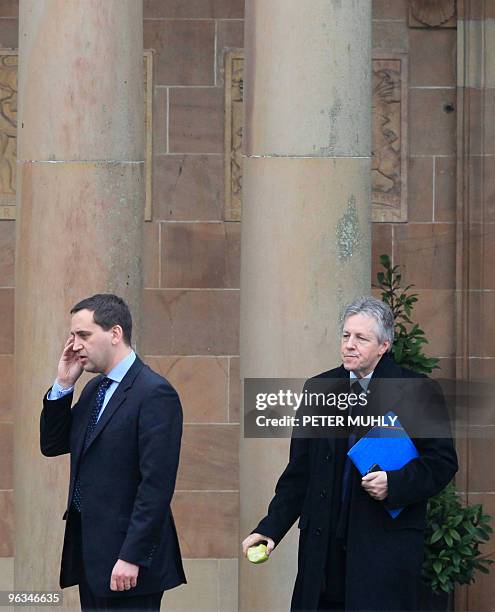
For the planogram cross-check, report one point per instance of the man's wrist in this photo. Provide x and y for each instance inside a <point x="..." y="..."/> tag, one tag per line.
<point x="64" y="384"/>
<point x="58" y="392"/>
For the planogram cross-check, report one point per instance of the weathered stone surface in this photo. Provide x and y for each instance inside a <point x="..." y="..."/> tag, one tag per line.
<point x="84" y="87"/>
<point x="325" y="39"/>
<point x="79" y="225"/>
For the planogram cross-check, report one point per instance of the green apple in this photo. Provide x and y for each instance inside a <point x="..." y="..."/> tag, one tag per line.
<point x="257" y="554"/>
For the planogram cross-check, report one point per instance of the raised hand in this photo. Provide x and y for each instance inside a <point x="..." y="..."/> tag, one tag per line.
<point x="69" y="366"/>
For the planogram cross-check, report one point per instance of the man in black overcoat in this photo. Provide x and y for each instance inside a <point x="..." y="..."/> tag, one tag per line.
<point x="123" y="436"/>
<point x="352" y="554"/>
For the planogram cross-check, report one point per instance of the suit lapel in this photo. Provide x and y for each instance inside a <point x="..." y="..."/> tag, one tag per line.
<point x="339" y="378"/>
<point x="86" y="406"/>
<point x="117" y="399"/>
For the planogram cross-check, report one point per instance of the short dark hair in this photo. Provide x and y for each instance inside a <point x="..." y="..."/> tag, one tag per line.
<point x="108" y="310"/>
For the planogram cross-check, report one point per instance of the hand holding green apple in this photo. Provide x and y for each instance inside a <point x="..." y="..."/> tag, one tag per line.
<point x="257" y="547"/>
<point x="257" y="554"/>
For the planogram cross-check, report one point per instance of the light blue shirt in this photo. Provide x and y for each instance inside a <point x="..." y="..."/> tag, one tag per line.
<point x="364" y="382"/>
<point x="116" y="374"/>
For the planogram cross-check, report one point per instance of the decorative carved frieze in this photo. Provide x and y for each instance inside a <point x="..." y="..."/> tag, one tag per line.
<point x="389" y="163"/>
<point x="8" y="132"/>
<point x="432" y="13"/>
<point x="389" y="143"/>
<point x="234" y="69"/>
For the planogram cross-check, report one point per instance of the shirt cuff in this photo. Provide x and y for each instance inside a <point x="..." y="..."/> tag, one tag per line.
<point x="57" y="391"/>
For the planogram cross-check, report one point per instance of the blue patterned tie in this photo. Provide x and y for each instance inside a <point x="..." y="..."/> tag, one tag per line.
<point x="93" y="419"/>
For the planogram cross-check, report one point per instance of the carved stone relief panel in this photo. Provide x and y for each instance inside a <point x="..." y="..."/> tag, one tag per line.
<point x="432" y="14"/>
<point x="389" y="142"/>
<point x="234" y="68"/>
<point x="8" y="132"/>
<point x="389" y="162"/>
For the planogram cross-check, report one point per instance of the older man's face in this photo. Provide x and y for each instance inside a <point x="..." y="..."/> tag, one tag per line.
<point x="360" y="348"/>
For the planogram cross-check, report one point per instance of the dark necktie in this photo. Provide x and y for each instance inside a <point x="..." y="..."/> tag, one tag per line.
<point x="356" y="388"/>
<point x="93" y="419"/>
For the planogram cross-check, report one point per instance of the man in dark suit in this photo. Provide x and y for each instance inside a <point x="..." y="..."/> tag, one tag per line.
<point x="123" y="436"/>
<point x="352" y="554"/>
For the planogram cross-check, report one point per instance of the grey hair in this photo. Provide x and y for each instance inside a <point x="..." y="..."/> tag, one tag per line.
<point x="381" y="312"/>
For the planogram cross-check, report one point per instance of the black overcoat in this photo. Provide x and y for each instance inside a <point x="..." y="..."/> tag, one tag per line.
<point x="127" y="475"/>
<point x="383" y="555"/>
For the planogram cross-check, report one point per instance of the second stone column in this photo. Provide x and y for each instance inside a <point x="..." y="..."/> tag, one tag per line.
<point x="306" y="223"/>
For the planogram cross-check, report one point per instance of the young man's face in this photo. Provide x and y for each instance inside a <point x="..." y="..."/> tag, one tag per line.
<point x="91" y="342"/>
<point x="360" y="348"/>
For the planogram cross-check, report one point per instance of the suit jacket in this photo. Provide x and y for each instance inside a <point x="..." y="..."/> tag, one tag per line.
<point x="383" y="555"/>
<point x="127" y="477"/>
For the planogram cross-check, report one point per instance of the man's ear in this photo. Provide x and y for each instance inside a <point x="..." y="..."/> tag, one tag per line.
<point x="117" y="334"/>
<point x="384" y="347"/>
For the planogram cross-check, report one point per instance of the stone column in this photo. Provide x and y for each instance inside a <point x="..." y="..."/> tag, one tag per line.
<point x="306" y="222"/>
<point x="80" y="211"/>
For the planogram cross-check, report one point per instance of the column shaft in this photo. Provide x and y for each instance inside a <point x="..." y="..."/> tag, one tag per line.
<point x="306" y="222"/>
<point x="80" y="210"/>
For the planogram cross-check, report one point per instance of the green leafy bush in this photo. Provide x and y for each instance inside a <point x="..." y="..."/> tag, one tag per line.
<point x="454" y="532"/>
<point x="409" y="337"/>
<point x="453" y="537"/>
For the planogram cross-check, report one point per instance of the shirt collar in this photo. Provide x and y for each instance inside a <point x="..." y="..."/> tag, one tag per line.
<point x="118" y="372"/>
<point x="364" y="382"/>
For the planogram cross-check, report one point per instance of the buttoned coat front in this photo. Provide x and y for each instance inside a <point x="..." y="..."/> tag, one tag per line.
<point x="127" y="477"/>
<point x="383" y="555"/>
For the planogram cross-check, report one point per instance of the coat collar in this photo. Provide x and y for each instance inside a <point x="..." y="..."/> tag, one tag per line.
<point x="385" y="368"/>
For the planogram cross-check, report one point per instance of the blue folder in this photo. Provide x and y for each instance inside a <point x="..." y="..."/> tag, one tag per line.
<point x="390" y="447"/>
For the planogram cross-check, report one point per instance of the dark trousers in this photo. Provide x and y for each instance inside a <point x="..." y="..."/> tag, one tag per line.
<point x="332" y="596"/>
<point x="92" y="603"/>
